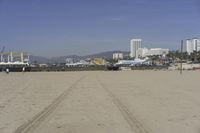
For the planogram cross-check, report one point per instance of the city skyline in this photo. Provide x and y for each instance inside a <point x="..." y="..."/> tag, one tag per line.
<point x="55" y="28"/>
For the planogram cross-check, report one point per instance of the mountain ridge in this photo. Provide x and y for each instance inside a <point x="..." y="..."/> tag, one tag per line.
<point x="61" y="59"/>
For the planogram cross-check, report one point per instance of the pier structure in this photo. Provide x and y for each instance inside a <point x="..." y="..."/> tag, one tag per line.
<point x="9" y="58"/>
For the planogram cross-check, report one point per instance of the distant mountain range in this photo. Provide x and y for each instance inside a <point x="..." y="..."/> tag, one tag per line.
<point x="61" y="59"/>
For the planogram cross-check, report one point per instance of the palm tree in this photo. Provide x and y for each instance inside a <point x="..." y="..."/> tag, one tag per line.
<point x="198" y="56"/>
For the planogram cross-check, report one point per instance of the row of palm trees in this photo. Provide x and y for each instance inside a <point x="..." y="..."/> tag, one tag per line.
<point x="194" y="56"/>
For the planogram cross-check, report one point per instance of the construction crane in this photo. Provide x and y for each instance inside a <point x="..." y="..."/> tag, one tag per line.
<point x="2" y="50"/>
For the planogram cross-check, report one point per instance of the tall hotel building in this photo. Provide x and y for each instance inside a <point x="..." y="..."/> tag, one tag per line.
<point x="192" y="45"/>
<point x="135" y="45"/>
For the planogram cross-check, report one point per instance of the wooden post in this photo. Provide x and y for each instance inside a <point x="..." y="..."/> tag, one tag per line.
<point x="8" y="56"/>
<point x="1" y="57"/>
<point x="181" y="67"/>
<point x="22" y="57"/>
<point x="11" y="57"/>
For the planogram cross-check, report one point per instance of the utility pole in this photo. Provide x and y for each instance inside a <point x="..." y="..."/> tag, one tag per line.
<point x="2" y="50"/>
<point x="181" y="67"/>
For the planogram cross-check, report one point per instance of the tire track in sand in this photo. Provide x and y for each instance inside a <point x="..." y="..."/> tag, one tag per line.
<point x="135" y="125"/>
<point x="36" y="120"/>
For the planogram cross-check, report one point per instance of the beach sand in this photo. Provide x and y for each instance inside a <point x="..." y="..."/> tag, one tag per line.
<point x="100" y="102"/>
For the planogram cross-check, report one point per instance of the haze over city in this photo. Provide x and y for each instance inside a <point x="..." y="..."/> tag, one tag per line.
<point x="64" y="27"/>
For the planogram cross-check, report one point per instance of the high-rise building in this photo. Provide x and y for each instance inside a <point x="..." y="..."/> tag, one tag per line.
<point x="196" y="44"/>
<point x="188" y="46"/>
<point x="192" y="45"/>
<point x="135" y="45"/>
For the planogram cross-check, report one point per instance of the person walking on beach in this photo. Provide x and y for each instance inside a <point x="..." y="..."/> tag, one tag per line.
<point x="7" y="70"/>
<point x="23" y="69"/>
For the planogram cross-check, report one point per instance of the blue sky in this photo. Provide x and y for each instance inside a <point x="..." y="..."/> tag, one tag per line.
<point x="64" y="27"/>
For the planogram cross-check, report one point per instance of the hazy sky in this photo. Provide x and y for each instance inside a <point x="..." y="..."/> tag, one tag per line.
<point x="65" y="27"/>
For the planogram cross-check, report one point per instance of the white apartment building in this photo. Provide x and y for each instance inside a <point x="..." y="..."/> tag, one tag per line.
<point x="188" y="46"/>
<point x="118" y="56"/>
<point x="196" y="44"/>
<point x="144" y="52"/>
<point x="192" y="45"/>
<point x="158" y="51"/>
<point x="135" y="45"/>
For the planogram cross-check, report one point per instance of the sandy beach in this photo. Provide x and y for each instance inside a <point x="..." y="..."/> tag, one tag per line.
<point x="100" y="102"/>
